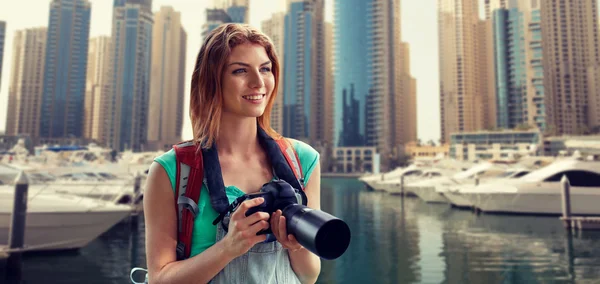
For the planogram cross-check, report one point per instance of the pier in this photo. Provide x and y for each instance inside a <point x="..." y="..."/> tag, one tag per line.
<point x="575" y="222"/>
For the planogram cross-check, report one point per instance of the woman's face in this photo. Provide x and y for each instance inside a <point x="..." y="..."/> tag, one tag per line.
<point x="247" y="81"/>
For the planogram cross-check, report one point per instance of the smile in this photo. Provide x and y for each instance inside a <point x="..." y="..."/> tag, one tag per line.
<point x="254" y="98"/>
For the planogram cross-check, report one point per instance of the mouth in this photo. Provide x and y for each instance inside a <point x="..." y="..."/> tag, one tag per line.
<point x="254" y="97"/>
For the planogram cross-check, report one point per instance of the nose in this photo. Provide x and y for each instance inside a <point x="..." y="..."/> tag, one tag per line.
<point x="256" y="80"/>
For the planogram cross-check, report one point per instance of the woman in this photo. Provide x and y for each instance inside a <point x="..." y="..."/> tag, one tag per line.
<point x="234" y="85"/>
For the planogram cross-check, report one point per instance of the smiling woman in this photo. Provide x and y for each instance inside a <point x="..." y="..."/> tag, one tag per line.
<point x="233" y="88"/>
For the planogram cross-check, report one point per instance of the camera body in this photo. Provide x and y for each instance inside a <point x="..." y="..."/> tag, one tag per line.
<point x="278" y="195"/>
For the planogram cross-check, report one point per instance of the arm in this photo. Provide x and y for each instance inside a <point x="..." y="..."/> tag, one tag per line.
<point x="305" y="264"/>
<point x="161" y="238"/>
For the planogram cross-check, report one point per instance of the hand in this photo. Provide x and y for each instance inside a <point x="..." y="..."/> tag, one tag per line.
<point x="279" y="229"/>
<point x="241" y="235"/>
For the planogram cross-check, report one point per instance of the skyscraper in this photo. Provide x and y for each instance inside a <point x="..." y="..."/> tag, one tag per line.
<point x="226" y="11"/>
<point x="98" y="90"/>
<point x="65" y="68"/>
<point x="165" y="119"/>
<point x="303" y="72"/>
<point x="26" y="82"/>
<point x="326" y="128"/>
<point x="460" y="41"/>
<point x="274" y="28"/>
<point x="570" y="48"/>
<point x="2" y="36"/>
<point x="374" y="91"/>
<point x="130" y="70"/>
<point x="517" y="63"/>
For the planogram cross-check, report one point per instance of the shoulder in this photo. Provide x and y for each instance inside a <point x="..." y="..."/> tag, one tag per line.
<point x="168" y="161"/>
<point x="309" y="157"/>
<point x="304" y="149"/>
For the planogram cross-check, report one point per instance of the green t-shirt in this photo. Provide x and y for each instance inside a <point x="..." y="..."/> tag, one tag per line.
<point x="204" y="234"/>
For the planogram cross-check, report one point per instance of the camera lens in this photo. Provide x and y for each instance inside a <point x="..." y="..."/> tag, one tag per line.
<point x="321" y="233"/>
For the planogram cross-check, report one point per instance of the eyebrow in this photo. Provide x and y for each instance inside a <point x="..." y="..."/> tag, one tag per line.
<point x="246" y="64"/>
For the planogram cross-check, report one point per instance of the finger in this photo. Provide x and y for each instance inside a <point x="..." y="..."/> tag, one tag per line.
<point x="257" y="239"/>
<point x="257" y="216"/>
<point x="240" y="213"/>
<point x="275" y="224"/>
<point x="261" y="225"/>
<point x="282" y="228"/>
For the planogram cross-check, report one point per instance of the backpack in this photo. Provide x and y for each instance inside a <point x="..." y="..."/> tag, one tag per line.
<point x="189" y="181"/>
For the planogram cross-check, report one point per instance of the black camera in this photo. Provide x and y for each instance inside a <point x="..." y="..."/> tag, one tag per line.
<point x="319" y="232"/>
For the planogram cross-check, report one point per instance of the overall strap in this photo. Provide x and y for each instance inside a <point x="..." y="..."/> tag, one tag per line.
<point x="188" y="185"/>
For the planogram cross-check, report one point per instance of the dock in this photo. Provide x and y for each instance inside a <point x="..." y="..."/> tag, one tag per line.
<point x="570" y="221"/>
<point x="581" y="223"/>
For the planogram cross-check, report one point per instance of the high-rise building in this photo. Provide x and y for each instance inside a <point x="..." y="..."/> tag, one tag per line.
<point x="98" y="90"/>
<point x="570" y="48"/>
<point x="226" y="11"/>
<point x="26" y="82"/>
<point x="517" y="65"/>
<point x="165" y="118"/>
<point x="303" y="72"/>
<point x="329" y="101"/>
<point x="274" y="28"/>
<point x="372" y="104"/>
<point x="65" y="69"/>
<point x="460" y="45"/>
<point x="2" y="36"/>
<point x="130" y="70"/>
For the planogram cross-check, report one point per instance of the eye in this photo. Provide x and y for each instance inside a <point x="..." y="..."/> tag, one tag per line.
<point x="239" y="71"/>
<point x="265" y="69"/>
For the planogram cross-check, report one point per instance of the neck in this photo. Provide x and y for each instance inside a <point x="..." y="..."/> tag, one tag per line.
<point x="237" y="136"/>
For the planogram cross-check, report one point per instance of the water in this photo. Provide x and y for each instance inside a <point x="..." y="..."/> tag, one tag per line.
<point x="393" y="241"/>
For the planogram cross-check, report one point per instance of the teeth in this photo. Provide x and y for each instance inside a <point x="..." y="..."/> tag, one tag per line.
<point x="258" y="97"/>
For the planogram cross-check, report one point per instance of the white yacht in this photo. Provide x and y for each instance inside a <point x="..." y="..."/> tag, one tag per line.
<point x="59" y="222"/>
<point x="395" y="186"/>
<point x="374" y="181"/>
<point x="454" y="193"/>
<point x="540" y="191"/>
<point x="428" y="189"/>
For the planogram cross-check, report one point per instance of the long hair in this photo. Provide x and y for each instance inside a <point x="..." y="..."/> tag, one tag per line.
<point x="206" y="97"/>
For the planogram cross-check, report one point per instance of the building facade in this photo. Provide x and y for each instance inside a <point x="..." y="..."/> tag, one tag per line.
<point x="98" y="90"/>
<point x="486" y="145"/>
<point x="167" y="80"/>
<point x="460" y="39"/>
<point x="63" y="94"/>
<point x="274" y="28"/>
<point x="130" y="70"/>
<point x="570" y="48"/>
<point x="374" y="106"/>
<point x="519" y="81"/>
<point x="26" y="83"/>
<point x="416" y="151"/>
<point x="303" y="71"/>
<point x="226" y="11"/>
<point x="355" y="159"/>
<point x="2" y="37"/>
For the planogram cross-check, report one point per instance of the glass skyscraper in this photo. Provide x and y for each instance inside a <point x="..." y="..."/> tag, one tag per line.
<point x="518" y="65"/>
<point x="65" y="69"/>
<point x="131" y="67"/>
<point x="303" y="77"/>
<point x="225" y="11"/>
<point x="351" y="75"/>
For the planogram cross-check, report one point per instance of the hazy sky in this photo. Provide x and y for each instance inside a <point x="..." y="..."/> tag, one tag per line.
<point x="419" y="29"/>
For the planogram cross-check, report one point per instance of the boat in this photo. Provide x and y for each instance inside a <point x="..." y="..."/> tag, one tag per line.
<point x="430" y="190"/>
<point x="58" y="221"/>
<point x="454" y="193"/>
<point x="540" y="192"/>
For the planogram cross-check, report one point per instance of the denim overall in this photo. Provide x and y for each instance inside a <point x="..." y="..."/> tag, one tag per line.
<point x="265" y="262"/>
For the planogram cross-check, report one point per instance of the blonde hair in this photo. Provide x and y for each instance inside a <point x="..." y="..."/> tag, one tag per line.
<point x="206" y="97"/>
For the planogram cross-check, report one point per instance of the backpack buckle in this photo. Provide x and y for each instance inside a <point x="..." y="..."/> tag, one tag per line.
<point x="180" y="249"/>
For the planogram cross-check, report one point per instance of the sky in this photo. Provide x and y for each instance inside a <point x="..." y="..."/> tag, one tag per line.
<point x="419" y="29"/>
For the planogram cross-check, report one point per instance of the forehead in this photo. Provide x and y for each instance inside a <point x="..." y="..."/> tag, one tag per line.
<point x="248" y="53"/>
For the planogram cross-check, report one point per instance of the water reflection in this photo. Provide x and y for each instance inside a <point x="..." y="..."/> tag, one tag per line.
<point x="393" y="241"/>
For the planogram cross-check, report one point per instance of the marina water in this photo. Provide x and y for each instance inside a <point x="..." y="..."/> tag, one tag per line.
<point x="394" y="240"/>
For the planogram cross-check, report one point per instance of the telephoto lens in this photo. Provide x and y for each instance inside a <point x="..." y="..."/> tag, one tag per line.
<point x="319" y="232"/>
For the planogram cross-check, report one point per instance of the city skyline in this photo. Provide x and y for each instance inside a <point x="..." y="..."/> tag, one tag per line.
<point x="428" y="122"/>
